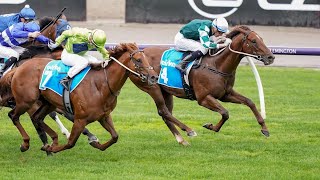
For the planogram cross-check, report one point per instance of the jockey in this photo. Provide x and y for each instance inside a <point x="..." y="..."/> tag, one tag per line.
<point x="13" y="37"/>
<point x="198" y="36"/>
<point x="7" y="20"/>
<point x="79" y="41"/>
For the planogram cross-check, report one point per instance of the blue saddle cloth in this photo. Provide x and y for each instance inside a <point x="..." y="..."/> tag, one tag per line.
<point x="169" y="75"/>
<point x="54" y="72"/>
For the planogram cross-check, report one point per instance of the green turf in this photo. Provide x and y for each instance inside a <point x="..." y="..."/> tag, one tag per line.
<point x="147" y="150"/>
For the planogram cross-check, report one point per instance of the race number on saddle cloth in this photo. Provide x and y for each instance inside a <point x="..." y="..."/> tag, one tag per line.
<point x="169" y="75"/>
<point x="54" y="72"/>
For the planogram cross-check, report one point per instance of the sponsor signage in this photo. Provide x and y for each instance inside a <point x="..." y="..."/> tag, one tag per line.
<point x="254" y="12"/>
<point x="75" y="10"/>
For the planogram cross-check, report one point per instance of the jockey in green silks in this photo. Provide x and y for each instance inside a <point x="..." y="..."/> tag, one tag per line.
<point x="199" y="36"/>
<point x="79" y="42"/>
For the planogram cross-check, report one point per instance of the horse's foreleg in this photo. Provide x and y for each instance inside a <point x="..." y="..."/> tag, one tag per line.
<point x="235" y="97"/>
<point x="86" y="132"/>
<point x="63" y="129"/>
<point x="76" y="130"/>
<point x="169" y="103"/>
<point x="108" y="125"/>
<point x="213" y="104"/>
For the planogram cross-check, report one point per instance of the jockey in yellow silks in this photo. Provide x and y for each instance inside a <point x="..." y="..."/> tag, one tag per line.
<point x="79" y="42"/>
<point x="199" y="36"/>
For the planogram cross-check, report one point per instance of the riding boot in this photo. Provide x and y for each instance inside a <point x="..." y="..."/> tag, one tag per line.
<point x="184" y="62"/>
<point x="7" y="64"/>
<point x="65" y="82"/>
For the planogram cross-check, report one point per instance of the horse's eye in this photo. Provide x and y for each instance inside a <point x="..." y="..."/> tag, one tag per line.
<point x="138" y="60"/>
<point x="254" y="41"/>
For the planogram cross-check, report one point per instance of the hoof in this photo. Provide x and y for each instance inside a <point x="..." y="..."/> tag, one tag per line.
<point x="95" y="144"/>
<point x="265" y="133"/>
<point x="184" y="143"/>
<point x="49" y="153"/>
<point x="45" y="147"/>
<point x="208" y="126"/>
<point x="23" y="148"/>
<point x="93" y="139"/>
<point x="192" y="134"/>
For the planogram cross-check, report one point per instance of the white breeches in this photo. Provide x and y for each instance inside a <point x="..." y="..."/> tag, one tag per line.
<point x="184" y="44"/>
<point x="6" y="52"/>
<point x="77" y="62"/>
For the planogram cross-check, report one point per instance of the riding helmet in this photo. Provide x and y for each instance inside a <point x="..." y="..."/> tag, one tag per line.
<point x="98" y="38"/>
<point x="27" y="12"/>
<point x="221" y="24"/>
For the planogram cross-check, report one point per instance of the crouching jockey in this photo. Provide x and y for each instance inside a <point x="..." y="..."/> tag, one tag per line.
<point x="13" y="37"/>
<point x="196" y="37"/>
<point x="7" y="20"/>
<point x="79" y="42"/>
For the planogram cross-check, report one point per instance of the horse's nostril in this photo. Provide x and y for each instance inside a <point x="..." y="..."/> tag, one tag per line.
<point x="271" y="57"/>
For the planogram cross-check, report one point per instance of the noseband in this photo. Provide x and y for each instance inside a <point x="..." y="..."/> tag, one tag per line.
<point x="137" y="64"/>
<point x="245" y="39"/>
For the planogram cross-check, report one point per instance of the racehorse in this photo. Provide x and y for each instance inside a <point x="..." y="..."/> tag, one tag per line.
<point x="102" y="86"/>
<point x="34" y="49"/>
<point x="215" y="77"/>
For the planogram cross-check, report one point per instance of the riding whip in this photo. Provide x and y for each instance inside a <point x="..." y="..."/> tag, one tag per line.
<point x="54" y="20"/>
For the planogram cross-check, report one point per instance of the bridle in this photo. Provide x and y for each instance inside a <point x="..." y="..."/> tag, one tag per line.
<point x="248" y="44"/>
<point x="137" y="64"/>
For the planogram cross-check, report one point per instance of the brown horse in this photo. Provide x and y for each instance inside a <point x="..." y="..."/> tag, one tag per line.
<point x="102" y="86"/>
<point x="220" y="71"/>
<point x="34" y="49"/>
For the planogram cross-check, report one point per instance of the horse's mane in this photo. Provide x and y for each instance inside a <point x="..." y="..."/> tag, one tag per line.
<point x="33" y="50"/>
<point x="118" y="50"/>
<point x="45" y="21"/>
<point x="237" y="30"/>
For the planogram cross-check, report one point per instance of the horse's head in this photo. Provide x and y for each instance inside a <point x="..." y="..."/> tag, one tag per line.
<point x="249" y="42"/>
<point x="136" y="61"/>
<point x="51" y="28"/>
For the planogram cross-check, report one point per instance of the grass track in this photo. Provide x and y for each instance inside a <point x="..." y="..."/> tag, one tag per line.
<point x="147" y="150"/>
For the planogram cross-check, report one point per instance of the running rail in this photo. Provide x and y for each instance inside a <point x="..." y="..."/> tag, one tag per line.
<point x="312" y="51"/>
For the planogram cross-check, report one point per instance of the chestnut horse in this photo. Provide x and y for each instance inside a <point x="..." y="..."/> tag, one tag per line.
<point x="102" y="86"/>
<point x="35" y="49"/>
<point x="220" y="71"/>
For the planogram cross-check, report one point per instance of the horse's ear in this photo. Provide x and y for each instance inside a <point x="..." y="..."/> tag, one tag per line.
<point x="63" y="17"/>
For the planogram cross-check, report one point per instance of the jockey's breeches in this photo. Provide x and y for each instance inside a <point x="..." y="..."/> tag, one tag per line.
<point x="7" y="52"/>
<point x="78" y="62"/>
<point x="184" y="44"/>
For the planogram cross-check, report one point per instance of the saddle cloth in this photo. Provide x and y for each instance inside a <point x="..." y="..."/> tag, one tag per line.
<point x="54" y="72"/>
<point x="169" y="75"/>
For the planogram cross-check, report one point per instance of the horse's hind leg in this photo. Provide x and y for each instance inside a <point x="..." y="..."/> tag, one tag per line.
<point x="14" y="115"/>
<point x="235" y="97"/>
<point x="108" y="125"/>
<point x="63" y="129"/>
<point x="169" y="103"/>
<point x="213" y="104"/>
<point x="37" y="119"/>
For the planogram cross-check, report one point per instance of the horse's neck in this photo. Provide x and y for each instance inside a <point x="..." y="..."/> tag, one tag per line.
<point x="226" y="62"/>
<point x="116" y="76"/>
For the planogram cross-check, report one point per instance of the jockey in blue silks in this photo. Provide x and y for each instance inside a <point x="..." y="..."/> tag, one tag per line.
<point x="7" y="20"/>
<point x="13" y="37"/>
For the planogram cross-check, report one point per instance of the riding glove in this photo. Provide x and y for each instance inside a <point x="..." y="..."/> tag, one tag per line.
<point x="52" y="45"/>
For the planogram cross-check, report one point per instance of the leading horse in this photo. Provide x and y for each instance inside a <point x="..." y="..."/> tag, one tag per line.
<point x="214" y="79"/>
<point x="102" y="86"/>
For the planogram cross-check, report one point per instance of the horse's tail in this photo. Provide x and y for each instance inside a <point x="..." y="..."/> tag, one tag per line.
<point x="5" y="86"/>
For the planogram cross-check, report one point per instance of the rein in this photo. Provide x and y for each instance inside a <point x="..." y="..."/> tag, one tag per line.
<point x="243" y="53"/>
<point x="133" y="72"/>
